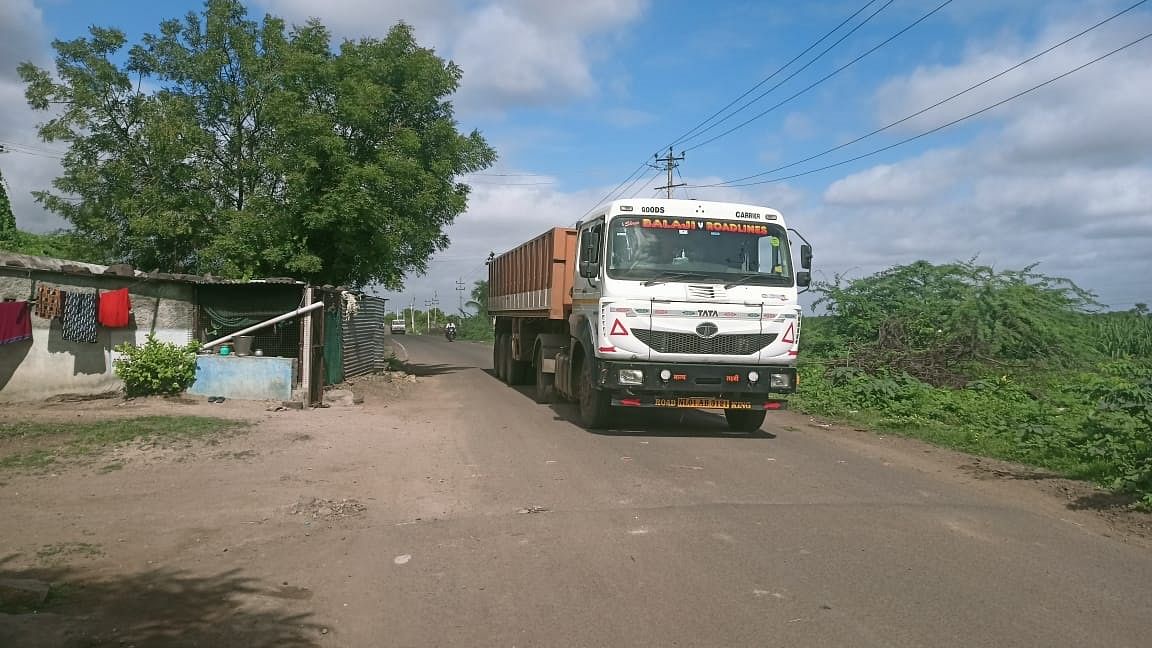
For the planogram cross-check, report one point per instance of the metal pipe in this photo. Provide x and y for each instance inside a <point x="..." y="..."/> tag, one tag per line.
<point x="257" y="327"/>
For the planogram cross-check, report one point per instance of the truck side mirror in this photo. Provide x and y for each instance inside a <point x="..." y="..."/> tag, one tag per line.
<point x="806" y="257"/>
<point x="803" y="278"/>
<point x="590" y="255"/>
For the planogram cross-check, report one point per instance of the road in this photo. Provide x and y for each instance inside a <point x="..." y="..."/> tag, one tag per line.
<point x="672" y="532"/>
<point x="457" y="512"/>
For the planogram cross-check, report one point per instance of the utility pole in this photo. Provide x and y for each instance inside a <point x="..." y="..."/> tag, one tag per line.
<point x="412" y="314"/>
<point x="460" y="294"/>
<point x="670" y="163"/>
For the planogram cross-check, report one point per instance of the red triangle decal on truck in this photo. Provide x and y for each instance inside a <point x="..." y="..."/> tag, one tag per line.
<point x="618" y="329"/>
<point x="789" y="336"/>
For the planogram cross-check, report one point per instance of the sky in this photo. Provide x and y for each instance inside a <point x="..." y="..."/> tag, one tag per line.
<point x="575" y="97"/>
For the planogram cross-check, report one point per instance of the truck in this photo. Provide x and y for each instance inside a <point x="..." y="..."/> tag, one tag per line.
<point x="398" y="327"/>
<point x="654" y="303"/>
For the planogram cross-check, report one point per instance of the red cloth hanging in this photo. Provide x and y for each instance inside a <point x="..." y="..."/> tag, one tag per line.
<point x="15" y="322"/>
<point x="114" y="308"/>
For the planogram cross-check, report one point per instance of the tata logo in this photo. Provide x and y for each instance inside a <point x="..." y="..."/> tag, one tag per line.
<point x="707" y="313"/>
<point x="707" y="330"/>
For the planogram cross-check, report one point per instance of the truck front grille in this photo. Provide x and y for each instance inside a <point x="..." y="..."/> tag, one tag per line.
<point x="669" y="342"/>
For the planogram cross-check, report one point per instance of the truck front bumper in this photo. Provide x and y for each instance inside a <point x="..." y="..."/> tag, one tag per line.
<point x="698" y="386"/>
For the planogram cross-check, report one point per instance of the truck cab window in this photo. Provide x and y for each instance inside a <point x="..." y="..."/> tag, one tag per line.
<point x="747" y="253"/>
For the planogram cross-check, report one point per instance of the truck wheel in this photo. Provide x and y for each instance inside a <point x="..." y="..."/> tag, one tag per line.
<point x="544" y="381"/>
<point x="744" y="420"/>
<point x="515" y="370"/>
<point x="595" y="404"/>
<point x="498" y="357"/>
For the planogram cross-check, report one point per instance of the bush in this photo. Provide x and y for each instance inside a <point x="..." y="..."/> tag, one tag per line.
<point x="156" y="367"/>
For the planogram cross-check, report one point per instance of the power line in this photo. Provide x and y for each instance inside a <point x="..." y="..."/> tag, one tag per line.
<point x="508" y="175"/>
<point x="614" y="190"/>
<point x="644" y="187"/>
<point x="935" y="105"/>
<point x="638" y="171"/>
<point x="780" y="69"/>
<point x="793" y="75"/>
<point x="947" y="125"/>
<point x="511" y="184"/>
<point x="824" y="78"/>
<point x="683" y="183"/>
<point x="12" y="147"/>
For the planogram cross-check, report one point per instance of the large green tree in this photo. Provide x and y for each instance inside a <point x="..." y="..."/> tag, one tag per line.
<point x="7" y="218"/>
<point x="244" y="148"/>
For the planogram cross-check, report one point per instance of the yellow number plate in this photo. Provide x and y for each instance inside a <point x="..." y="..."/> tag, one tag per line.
<point x="702" y="403"/>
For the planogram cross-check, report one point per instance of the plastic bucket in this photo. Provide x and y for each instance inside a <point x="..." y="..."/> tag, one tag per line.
<point x="243" y="344"/>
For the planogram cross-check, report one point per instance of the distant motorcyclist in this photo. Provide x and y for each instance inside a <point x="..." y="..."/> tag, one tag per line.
<point x="450" y="331"/>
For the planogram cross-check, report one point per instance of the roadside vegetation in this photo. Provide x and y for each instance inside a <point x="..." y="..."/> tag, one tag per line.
<point x="38" y="445"/>
<point x="1008" y="364"/>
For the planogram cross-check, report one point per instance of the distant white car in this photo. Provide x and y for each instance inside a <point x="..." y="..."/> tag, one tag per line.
<point x="398" y="327"/>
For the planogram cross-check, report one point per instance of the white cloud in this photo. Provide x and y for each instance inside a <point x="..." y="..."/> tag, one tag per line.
<point x="1061" y="176"/>
<point x="628" y="117"/>
<point x="30" y="164"/>
<point x="1096" y="113"/>
<point x="514" y="53"/>
<point x="905" y="182"/>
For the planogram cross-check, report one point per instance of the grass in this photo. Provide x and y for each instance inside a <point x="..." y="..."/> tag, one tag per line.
<point x="60" y="552"/>
<point x="54" y="442"/>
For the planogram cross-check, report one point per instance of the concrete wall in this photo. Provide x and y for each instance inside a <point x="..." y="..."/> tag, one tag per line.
<point x="49" y="366"/>
<point x="244" y="377"/>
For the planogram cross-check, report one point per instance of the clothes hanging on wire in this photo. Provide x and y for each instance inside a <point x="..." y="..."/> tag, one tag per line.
<point x="48" y="301"/>
<point x="115" y="306"/>
<point x="15" y="322"/>
<point x="79" y="317"/>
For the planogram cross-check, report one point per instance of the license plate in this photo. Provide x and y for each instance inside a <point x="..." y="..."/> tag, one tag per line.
<point x="702" y="403"/>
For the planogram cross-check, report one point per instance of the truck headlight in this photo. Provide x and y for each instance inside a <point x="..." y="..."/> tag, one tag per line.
<point x="780" y="381"/>
<point x="665" y="375"/>
<point x="753" y="376"/>
<point x="631" y="377"/>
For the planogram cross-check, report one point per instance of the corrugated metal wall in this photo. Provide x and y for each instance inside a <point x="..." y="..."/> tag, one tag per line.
<point x="364" y="340"/>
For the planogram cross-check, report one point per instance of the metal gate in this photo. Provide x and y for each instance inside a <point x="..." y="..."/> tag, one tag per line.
<point x="365" y="345"/>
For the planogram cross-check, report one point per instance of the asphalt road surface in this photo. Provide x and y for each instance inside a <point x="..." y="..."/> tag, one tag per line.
<point x="673" y="532"/>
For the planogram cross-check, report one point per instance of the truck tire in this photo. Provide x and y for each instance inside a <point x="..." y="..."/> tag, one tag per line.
<point x="498" y="357"/>
<point x="517" y="370"/>
<point x="595" y="404"/>
<point x="744" y="420"/>
<point x="544" y="381"/>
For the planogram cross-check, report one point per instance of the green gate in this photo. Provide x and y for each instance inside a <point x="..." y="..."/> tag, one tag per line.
<point x="333" y="346"/>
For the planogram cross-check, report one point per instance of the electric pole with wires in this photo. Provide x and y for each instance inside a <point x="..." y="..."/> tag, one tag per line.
<point x="670" y="163"/>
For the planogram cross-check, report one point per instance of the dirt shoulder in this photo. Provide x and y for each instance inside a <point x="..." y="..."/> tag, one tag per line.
<point x="211" y="535"/>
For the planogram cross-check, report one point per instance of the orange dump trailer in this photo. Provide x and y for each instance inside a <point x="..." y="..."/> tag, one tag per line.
<point x="535" y="278"/>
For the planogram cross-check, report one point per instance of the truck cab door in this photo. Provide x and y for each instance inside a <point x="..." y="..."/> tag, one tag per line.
<point x="586" y="289"/>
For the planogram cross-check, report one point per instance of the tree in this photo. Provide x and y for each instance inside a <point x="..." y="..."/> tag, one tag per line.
<point x="61" y="245"/>
<point x="479" y="299"/>
<point x="7" y="218"/>
<point x="260" y="151"/>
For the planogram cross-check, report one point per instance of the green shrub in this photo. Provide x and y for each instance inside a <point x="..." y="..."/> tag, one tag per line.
<point x="156" y="367"/>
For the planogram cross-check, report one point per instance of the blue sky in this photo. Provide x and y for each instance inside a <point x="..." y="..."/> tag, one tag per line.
<point x="576" y="96"/>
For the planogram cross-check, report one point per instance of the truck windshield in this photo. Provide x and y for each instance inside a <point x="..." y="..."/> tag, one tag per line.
<point x="710" y="250"/>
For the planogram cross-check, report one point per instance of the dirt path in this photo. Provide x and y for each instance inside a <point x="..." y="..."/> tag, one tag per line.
<point x="203" y="543"/>
<point x="455" y="512"/>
